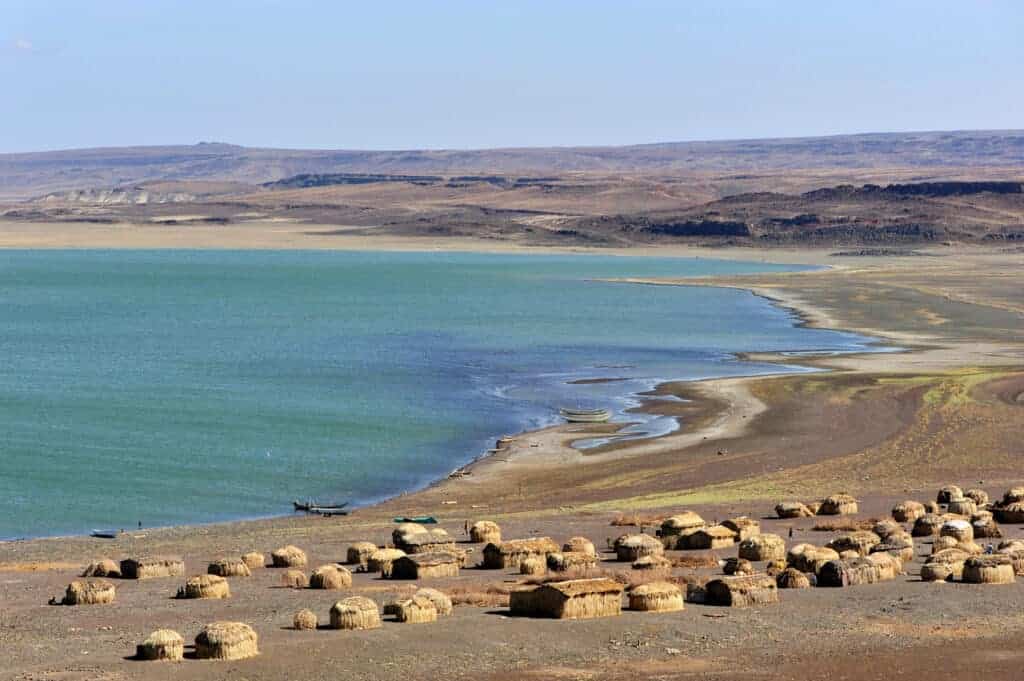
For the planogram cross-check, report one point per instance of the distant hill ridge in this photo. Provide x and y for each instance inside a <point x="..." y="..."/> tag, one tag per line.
<point x="32" y="174"/>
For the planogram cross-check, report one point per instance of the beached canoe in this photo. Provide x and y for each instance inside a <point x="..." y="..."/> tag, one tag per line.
<point x="421" y="519"/>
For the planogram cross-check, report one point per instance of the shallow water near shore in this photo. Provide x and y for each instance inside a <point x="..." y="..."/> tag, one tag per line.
<point x="174" y="387"/>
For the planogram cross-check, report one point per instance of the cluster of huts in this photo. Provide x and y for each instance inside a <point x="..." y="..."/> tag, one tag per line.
<point x="567" y="582"/>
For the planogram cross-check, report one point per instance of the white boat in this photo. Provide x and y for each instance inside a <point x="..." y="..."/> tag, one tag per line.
<point x="585" y="415"/>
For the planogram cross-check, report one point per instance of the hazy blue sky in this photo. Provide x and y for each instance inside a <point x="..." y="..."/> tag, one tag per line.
<point x="481" y="74"/>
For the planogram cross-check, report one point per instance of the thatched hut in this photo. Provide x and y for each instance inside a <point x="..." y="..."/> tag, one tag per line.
<point x="288" y="557"/>
<point x="413" y="538"/>
<point x="425" y="565"/>
<point x="887" y="527"/>
<point x="992" y="569"/>
<point x="793" y="509"/>
<point x="355" y="612"/>
<point x="932" y="507"/>
<point x="534" y="566"/>
<point x="152" y="566"/>
<point x="739" y="592"/>
<point x="907" y="511"/>
<point x="1016" y="555"/>
<point x="791" y="578"/>
<point x="572" y="599"/>
<point x="717" y="537"/>
<point x="743" y="527"/>
<point x="205" y="586"/>
<point x="984" y="526"/>
<point x="579" y="545"/>
<point x="509" y="554"/>
<point x="809" y="558"/>
<point x="738" y="566"/>
<point x="416" y="610"/>
<point x="89" y="592"/>
<point x="928" y="525"/>
<point x="305" y="620"/>
<point x="485" y="532"/>
<point x="944" y="565"/>
<point x="963" y="506"/>
<point x="656" y="597"/>
<point x="331" y="576"/>
<point x="295" y="579"/>
<point x="763" y="547"/>
<point x="226" y="641"/>
<point x="381" y="560"/>
<point x="899" y="546"/>
<point x="637" y="546"/>
<point x="677" y="526"/>
<point x="850" y="572"/>
<point x="358" y="554"/>
<point x="1010" y="509"/>
<point x="254" y="560"/>
<point x="571" y="560"/>
<point x="442" y="603"/>
<point x="859" y="541"/>
<point x="104" y="567"/>
<point x="229" y="567"/>
<point x="960" y="530"/>
<point x="838" y="504"/>
<point x="949" y="493"/>
<point x="163" y="644"/>
<point x="889" y="566"/>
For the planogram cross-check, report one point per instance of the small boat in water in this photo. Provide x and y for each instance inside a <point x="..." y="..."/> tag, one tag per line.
<point x="585" y="415"/>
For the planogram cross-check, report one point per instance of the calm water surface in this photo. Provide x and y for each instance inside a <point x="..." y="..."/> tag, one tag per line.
<point x="176" y="387"/>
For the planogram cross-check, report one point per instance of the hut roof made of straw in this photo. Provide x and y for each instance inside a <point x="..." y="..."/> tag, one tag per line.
<point x="486" y="526"/>
<point x="227" y="635"/>
<point x="1014" y="495"/>
<point x="386" y="554"/>
<point x="427" y="537"/>
<point x="718" y="532"/>
<point x="354" y="604"/>
<point x="989" y="560"/>
<point x="164" y="637"/>
<point x="953" y="555"/>
<point x="640" y="541"/>
<point x="533" y="545"/>
<point x="682" y="521"/>
<point x="582" y="587"/>
<point x="655" y="589"/>
<point x="841" y="498"/>
<point x="431" y="558"/>
<point x="740" y="523"/>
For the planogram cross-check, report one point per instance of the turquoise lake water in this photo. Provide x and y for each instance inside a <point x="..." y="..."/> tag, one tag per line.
<point x="173" y="387"/>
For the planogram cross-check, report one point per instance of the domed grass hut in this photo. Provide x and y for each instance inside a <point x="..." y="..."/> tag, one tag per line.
<point x="358" y="554"/>
<point x="791" y="578"/>
<point x="860" y="542"/>
<point x="738" y="566"/>
<point x="163" y="644"/>
<point x="886" y="527"/>
<point x="928" y="525"/>
<point x="717" y="537"/>
<point x="413" y="538"/>
<point x="229" y="567"/>
<point x="741" y="592"/>
<point x="150" y="567"/>
<point x="899" y="545"/>
<point x="381" y="561"/>
<point x="907" y="511"/>
<point x="653" y="563"/>
<point x="838" y="504"/>
<point x="763" y="547"/>
<point x="1015" y="552"/>
<point x="990" y="569"/>
<point x="793" y="509"/>
<point x="1010" y="509"/>
<point x="355" y="613"/>
<point x="963" y="506"/>
<point x="949" y="493"/>
<point x="742" y="527"/>
<point x="330" y="577"/>
<point x="637" y="546"/>
<point x="205" y="586"/>
<point x="305" y="620"/>
<point x="485" y="532"/>
<point x="571" y="599"/>
<point x="579" y="545"/>
<point x="227" y="641"/>
<point x="104" y="567"/>
<point x="984" y="526"/>
<point x="655" y="597"/>
<point x="960" y="530"/>
<point x="442" y="603"/>
<point x="295" y="579"/>
<point x="509" y="554"/>
<point x="416" y="610"/>
<point x="425" y="565"/>
<point x="254" y="560"/>
<point x="889" y="566"/>
<point x="288" y="557"/>
<point x="849" y="572"/>
<point x="675" y="527"/>
<point x="571" y="560"/>
<point x="809" y="558"/>
<point x="89" y="592"/>
<point x="944" y="565"/>
<point x="533" y="566"/>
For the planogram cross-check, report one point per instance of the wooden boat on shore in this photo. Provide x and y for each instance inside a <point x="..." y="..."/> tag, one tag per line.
<point x="310" y="506"/>
<point x="585" y="415"/>
<point x="106" y="534"/>
<point x="421" y="519"/>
